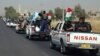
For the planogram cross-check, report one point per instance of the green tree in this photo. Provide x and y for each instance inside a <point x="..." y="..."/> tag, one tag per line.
<point x="79" y="12"/>
<point x="11" y="13"/>
<point x="58" y="13"/>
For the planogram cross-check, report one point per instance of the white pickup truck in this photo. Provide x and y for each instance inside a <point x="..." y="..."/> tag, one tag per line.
<point x="77" y="40"/>
<point x="21" y="27"/>
<point x="33" y="31"/>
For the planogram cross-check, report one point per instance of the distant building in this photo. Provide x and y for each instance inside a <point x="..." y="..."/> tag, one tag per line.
<point x="94" y="14"/>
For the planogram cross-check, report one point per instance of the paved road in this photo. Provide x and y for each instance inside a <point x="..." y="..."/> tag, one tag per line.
<point x="12" y="44"/>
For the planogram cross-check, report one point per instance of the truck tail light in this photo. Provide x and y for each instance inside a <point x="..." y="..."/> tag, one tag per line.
<point x="68" y="37"/>
<point x="33" y="28"/>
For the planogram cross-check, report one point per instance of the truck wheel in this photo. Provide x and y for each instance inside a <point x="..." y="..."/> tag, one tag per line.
<point x="41" y="37"/>
<point x="62" y="48"/>
<point x="48" y="38"/>
<point x="17" y="31"/>
<point x="30" y="37"/>
<point x="26" y="36"/>
<point x="52" y="46"/>
<point x="94" y="52"/>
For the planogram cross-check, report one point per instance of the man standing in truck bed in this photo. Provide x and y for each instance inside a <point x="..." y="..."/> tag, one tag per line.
<point x="82" y="26"/>
<point x="44" y="22"/>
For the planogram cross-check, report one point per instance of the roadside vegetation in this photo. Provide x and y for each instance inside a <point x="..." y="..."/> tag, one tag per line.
<point x="78" y="11"/>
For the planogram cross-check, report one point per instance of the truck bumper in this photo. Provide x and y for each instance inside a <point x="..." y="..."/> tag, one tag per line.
<point x="41" y="35"/>
<point x="79" y="46"/>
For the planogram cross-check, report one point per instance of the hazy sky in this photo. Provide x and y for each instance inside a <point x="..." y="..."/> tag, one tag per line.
<point x="36" y="5"/>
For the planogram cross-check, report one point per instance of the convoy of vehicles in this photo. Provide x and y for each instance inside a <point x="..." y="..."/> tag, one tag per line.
<point x="58" y="38"/>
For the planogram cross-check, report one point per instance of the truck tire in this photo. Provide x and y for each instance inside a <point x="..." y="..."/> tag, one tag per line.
<point x="30" y="37"/>
<point x="47" y="38"/>
<point x="52" y="46"/>
<point x="41" y="37"/>
<point x="26" y="36"/>
<point x="94" y="52"/>
<point x="17" y="31"/>
<point x="62" y="48"/>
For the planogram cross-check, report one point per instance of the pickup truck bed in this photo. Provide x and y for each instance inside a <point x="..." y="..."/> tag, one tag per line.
<point x="31" y="32"/>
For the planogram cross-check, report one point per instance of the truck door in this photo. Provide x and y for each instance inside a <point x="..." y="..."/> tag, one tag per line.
<point x="56" y="33"/>
<point x="59" y="34"/>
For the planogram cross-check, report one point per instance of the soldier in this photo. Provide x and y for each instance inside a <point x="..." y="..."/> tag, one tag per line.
<point x="44" y="23"/>
<point x="68" y="26"/>
<point x="82" y="26"/>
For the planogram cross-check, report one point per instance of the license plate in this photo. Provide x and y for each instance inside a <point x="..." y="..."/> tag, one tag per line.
<point x="85" y="45"/>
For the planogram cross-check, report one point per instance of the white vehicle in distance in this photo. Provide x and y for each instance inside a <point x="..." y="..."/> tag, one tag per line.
<point x="11" y="24"/>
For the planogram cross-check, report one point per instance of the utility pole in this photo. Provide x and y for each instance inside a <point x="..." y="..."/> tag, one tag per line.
<point x="63" y="9"/>
<point x="62" y="17"/>
<point x="19" y="8"/>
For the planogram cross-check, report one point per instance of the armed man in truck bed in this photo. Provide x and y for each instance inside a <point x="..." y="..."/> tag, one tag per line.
<point x="83" y="26"/>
